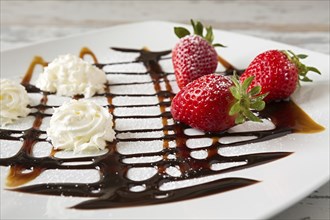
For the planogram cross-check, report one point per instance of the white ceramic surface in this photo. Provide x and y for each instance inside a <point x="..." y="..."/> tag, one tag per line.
<point x="283" y="182"/>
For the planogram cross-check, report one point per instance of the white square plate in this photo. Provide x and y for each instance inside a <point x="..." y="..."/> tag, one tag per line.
<point x="283" y="182"/>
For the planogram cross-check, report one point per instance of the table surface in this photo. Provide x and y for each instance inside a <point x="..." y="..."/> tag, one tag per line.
<point x="301" y="23"/>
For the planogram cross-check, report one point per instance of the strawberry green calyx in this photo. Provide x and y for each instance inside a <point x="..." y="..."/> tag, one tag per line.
<point x="245" y="100"/>
<point x="302" y="69"/>
<point x="198" y="30"/>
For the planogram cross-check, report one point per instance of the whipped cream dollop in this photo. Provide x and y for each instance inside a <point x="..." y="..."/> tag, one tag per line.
<point x="69" y="75"/>
<point x="13" y="101"/>
<point x="81" y="126"/>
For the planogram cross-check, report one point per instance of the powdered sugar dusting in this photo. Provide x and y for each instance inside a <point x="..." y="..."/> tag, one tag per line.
<point x="126" y="100"/>
<point x="199" y="154"/>
<point x="199" y="142"/>
<point x="139" y="147"/>
<point x="137" y="135"/>
<point x="222" y="166"/>
<point x="134" y="111"/>
<point x="130" y="67"/>
<point x="138" y="124"/>
<point x="9" y="148"/>
<point x="141" y="131"/>
<point x="253" y="126"/>
<point x="133" y="89"/>
<point x="141" y="173"/>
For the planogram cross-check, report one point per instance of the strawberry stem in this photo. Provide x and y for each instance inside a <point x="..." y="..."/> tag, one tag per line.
<point x="245" y="100"/>
<point x="302" y="69"/>
<point x="198" y="30"/>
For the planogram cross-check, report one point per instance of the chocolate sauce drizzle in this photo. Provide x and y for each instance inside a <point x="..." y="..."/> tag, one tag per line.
<point x="114" y="189"/>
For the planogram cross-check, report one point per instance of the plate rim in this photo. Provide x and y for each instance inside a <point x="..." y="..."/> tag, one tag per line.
<point x="25" y="47"/>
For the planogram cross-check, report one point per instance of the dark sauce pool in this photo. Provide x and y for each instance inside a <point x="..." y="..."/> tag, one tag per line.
<point x="114" y="189"/>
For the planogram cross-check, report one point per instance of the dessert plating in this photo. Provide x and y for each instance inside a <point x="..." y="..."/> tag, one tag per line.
<point x="81" y="126"/>
<point x="115" y="189"/>
<point x="13" y="101"/>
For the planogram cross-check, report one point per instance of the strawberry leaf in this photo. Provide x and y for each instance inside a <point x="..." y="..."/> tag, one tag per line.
<point x="198" y="30"/>
<point x="246" y="101"/>
<point x="302" y="56"/>
<point x="247" y="83"/>
<point x="240" y="119"/>
<point x="218" y="45"/>
<point x="181" y="32"/>
<point x="193" y="24"/>
<point x="248" y="114"/>
<point x="306" y="79"/>
<point x="235" y="92"/>
<point x="255" y="90"/>
<point x="209" y="35"/>
<point x="261" y="96"/>
<point x="302" y="68"/>
<point x="235" y="109"/>
<point x="258" y="105"/>
<point x="235" y="80"/>
<point x="313" y="69"/>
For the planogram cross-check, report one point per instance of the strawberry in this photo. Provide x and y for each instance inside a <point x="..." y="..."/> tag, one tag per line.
<point x="215" y="103"/>
<point x="278" y="73"/>
<point x="194" y="55"/>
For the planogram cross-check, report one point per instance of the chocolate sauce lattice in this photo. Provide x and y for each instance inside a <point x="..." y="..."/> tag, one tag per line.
<point x="115" y="189"/>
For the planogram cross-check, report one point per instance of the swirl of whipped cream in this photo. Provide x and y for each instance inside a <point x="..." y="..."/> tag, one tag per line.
<point x="81" y="126"/>
<point x="13" y="101"/>
<point x="69" y="75"/>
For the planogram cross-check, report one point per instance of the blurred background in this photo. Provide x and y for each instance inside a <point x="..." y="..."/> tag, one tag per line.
<point x="303" y="23"/>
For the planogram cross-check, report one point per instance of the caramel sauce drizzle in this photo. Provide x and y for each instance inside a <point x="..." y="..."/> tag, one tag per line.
<point x="114" y="188"/>
<point x="155" y="72"/>
<point x="226" y="64"/>
<point x="86" y="51"/>
<point x="37" y="60"/>
<point x="19" y="175"/>
<point x="285" y="114"/>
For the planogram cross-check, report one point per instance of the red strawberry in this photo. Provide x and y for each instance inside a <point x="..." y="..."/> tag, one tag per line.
<point x="215" y="103"/>
<point x="194" y="55"/>
<point x="278" y="73"/>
